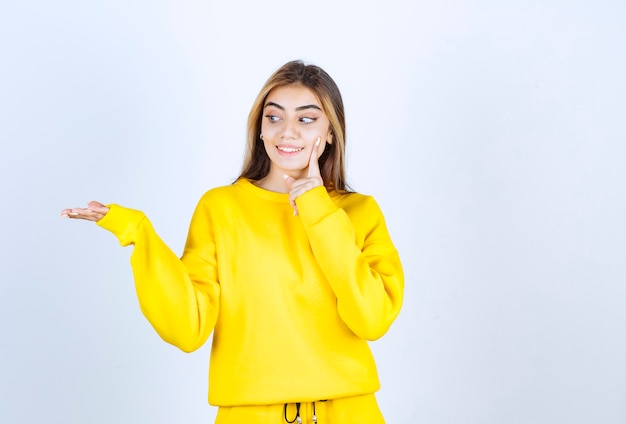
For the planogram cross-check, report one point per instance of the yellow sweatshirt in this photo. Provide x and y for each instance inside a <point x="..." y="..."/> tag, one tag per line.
<point x="292" y="299"/>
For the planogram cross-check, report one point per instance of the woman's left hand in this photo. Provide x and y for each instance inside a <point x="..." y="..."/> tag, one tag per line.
<point x="313" y="178"/>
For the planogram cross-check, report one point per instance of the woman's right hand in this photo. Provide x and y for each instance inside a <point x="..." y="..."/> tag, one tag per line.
<point x="94" y="211"/>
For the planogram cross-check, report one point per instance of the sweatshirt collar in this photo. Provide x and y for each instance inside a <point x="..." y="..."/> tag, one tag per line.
<point x="272" y="196"/>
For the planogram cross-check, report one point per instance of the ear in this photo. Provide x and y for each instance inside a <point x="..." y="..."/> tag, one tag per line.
<point x="330" y="137"/>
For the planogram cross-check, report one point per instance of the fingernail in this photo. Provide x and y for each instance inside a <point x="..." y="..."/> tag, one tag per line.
<point x="64" y="215"/>
<point x="317" y="143"/>
<point x="285" y="176"/>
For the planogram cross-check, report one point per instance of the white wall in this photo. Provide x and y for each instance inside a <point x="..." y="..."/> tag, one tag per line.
<point x="491" y="133"/>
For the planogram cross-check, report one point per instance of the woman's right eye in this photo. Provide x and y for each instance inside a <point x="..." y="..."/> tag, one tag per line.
<point x="272" y="118"/>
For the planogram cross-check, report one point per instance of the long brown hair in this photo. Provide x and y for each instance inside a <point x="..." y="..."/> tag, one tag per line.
<point x="256" y="164"/>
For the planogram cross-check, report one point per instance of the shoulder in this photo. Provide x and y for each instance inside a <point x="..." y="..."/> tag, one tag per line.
<point x="223" y="200"/>
<point x="220" y="194"/>
<point x="214" y="201"/>
<point x="355" y="202"/>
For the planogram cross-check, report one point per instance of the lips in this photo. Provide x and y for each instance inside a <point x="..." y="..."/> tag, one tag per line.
<point x="289" y="149"/>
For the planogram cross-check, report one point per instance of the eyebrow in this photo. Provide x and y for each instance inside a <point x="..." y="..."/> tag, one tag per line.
<point x="299" y="108"/>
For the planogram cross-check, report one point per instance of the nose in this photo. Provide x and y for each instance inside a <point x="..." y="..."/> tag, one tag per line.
<point x="290" y="129"/>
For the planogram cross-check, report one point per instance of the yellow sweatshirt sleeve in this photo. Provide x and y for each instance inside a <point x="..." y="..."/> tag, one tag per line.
<point x="182" y="311"/>
<point x="358" y="259"/>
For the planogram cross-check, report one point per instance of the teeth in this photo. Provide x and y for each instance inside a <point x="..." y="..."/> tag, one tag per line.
<point x="289" y="149"/>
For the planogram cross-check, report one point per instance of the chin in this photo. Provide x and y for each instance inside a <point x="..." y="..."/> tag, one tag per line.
<point x="291" y="168"/>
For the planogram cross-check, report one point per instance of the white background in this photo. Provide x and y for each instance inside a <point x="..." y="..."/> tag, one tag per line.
<point x="492" y="134"/>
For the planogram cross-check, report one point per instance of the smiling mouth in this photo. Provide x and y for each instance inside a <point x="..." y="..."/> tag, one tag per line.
<point x="289" y="149"/>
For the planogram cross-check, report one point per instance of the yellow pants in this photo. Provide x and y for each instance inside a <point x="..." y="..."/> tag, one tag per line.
<point x="352" y="410"/>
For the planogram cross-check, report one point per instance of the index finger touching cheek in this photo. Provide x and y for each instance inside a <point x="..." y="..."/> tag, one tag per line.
<point x="314" y="168"/>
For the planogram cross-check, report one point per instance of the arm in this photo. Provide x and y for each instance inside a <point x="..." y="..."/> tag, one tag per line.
<point x="368" y="281"/>
<point x="178" y="297"/>
<point x="365" y="275"/>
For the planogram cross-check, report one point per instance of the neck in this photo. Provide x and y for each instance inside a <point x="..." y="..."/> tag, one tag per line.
<point x="275" y="180"/>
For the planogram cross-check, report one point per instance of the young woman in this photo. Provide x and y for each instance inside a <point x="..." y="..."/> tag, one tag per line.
<point x="291" y="271"/>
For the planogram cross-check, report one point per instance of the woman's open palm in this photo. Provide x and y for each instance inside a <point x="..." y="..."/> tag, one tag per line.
<point x="94" y="211"/>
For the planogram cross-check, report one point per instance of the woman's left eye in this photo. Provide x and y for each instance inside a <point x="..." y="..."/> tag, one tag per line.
<point x="307" y="120"/>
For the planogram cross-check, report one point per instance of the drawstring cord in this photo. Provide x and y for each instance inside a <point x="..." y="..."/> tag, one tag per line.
<point x="298" y="418"/>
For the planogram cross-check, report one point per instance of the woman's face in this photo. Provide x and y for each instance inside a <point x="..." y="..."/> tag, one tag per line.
<point x="292" y="121"/>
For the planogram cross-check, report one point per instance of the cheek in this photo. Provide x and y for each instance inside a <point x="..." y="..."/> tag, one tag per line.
<point x="270" y="132"/>
<point x="320" y="152"/>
